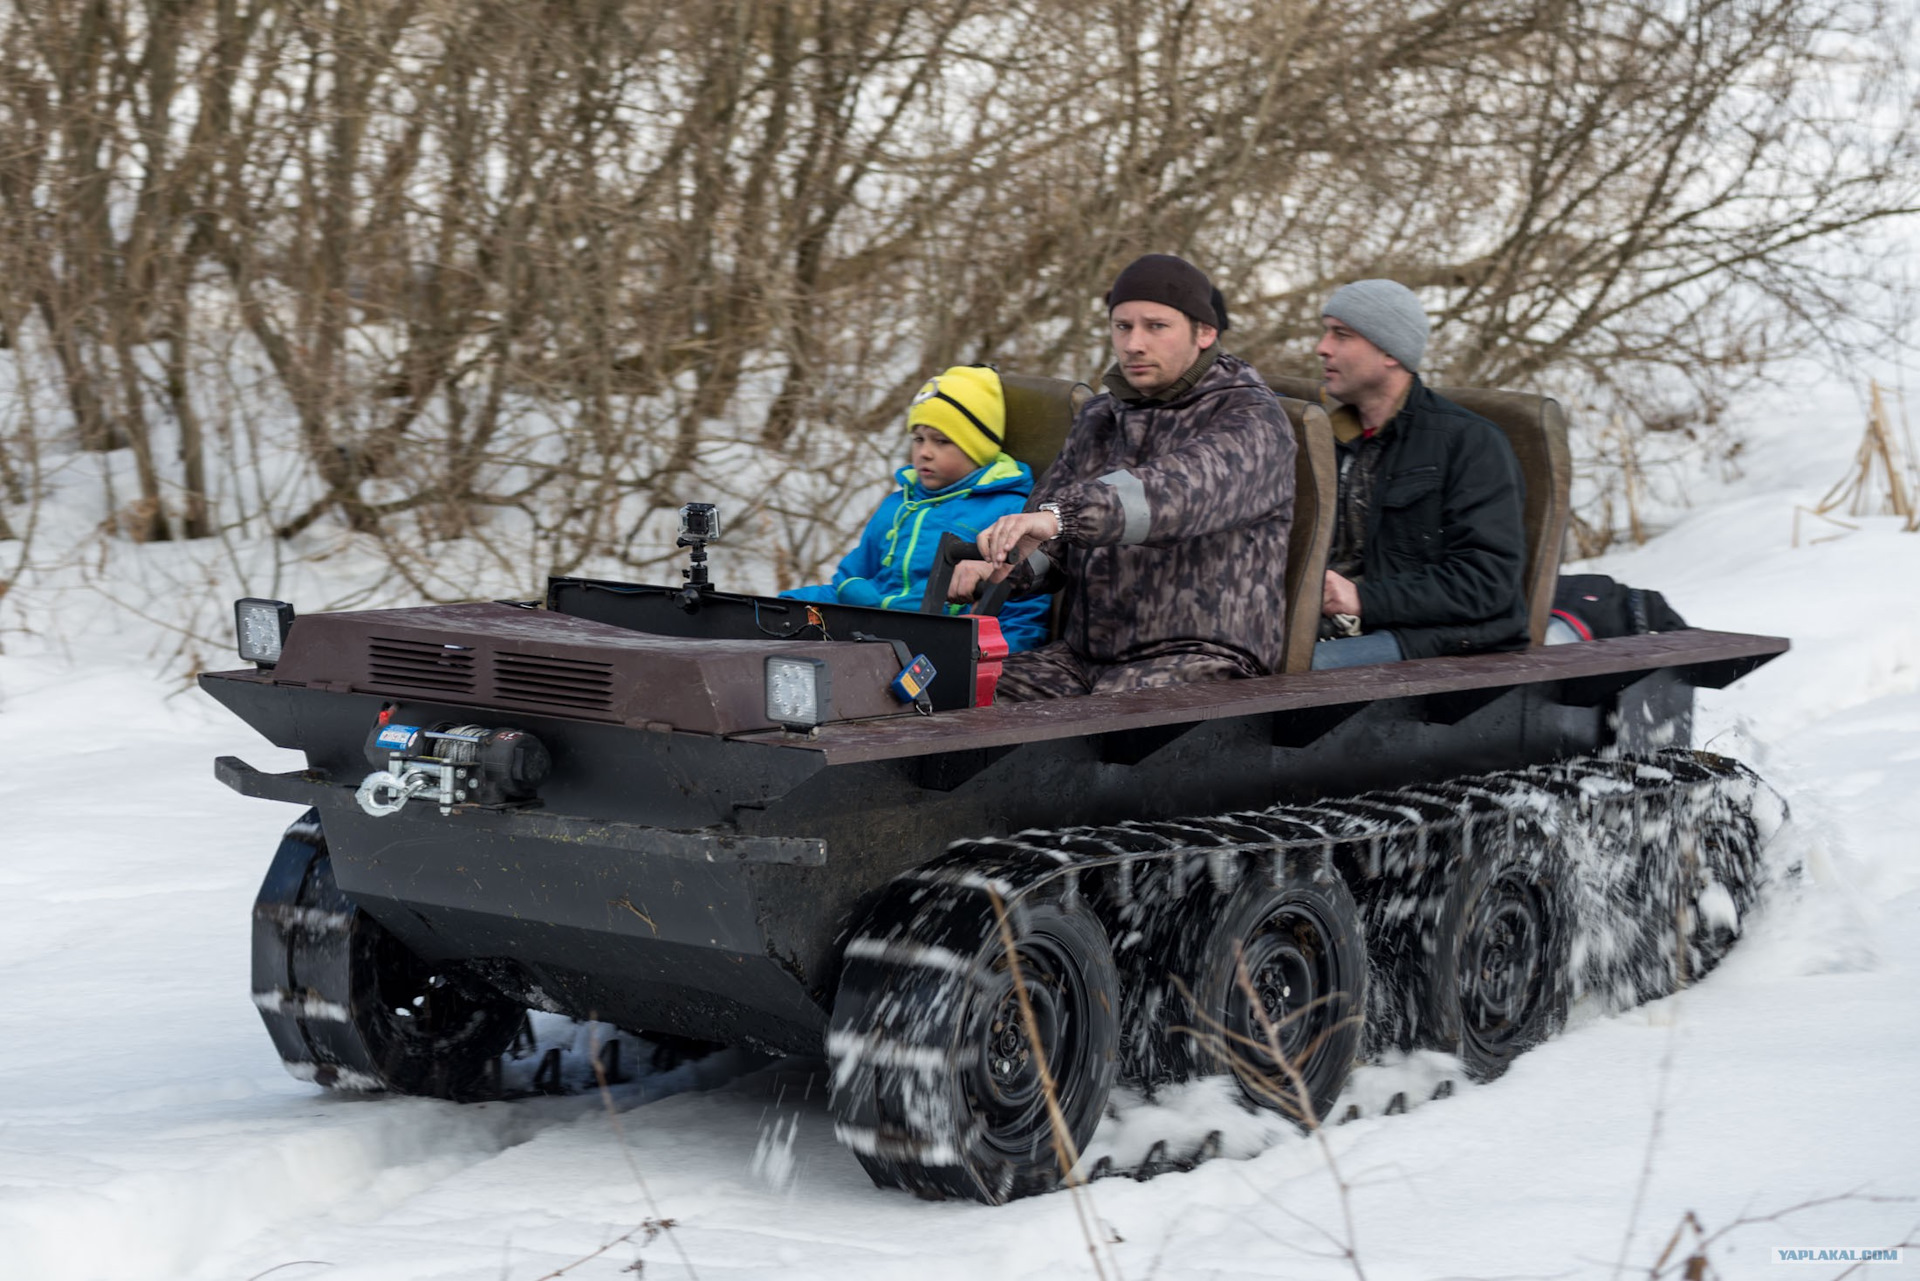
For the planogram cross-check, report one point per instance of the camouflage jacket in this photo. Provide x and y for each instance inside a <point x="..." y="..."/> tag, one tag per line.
<point x="1175" y="520"/>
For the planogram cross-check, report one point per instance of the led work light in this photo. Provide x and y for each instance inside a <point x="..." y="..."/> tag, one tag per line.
<point x="799" y="692"/>
<point x="261" y="626"/>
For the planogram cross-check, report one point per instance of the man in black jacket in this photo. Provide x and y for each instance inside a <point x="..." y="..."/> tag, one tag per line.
<point x="1429" y="547"/>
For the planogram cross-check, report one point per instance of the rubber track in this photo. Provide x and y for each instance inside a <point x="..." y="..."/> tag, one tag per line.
<point x="1663" y="853"/>
<point x="309" y="942"/>
<point x="301" y="956"/>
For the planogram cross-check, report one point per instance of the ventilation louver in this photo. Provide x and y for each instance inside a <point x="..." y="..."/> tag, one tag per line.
<point x="550" y="681"/>
<point x="419" y="665"/>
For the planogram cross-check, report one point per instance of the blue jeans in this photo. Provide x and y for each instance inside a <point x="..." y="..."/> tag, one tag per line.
<point x="1356" y="651"/>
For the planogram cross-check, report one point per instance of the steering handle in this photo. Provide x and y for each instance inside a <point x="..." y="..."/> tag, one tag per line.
<point x="952" y="550"/>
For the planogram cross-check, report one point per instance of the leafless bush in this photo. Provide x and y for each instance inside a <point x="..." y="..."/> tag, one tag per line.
<point x="521" y="277"/>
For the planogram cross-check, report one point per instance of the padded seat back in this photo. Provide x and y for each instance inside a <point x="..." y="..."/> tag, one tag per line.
<point x="1307" y="389"/>
<point x="1314" y="487"/>
<point x="1039" y="412"/>
<point x="1536" y="428"/>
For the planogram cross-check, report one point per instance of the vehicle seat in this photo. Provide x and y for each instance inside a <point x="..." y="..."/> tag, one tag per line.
<point x="1536" y="428"/>
<point x="1039" y="412"/>
<point x="1315" y="483"/>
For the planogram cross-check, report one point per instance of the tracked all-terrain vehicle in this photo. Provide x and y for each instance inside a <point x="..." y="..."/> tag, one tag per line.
<point x="748" y="820"/>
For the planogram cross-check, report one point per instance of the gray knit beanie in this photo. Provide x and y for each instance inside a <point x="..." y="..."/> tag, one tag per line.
<point x="1387" y="314"/>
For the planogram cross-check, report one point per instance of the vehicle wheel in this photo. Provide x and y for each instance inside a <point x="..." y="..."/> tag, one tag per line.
<point x="1702" y="855"/>
<point x="1495" y="980"/>
<point x="936" y="1078"/>
<point x="1721" y="883"/>
<point x="1304" y="954"/>
<point x="349" y="1006"/>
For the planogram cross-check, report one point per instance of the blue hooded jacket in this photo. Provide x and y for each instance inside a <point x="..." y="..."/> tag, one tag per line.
<point x="890" y="567"/>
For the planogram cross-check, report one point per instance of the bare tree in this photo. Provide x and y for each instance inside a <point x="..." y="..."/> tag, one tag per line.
<point x="517" y="278"/>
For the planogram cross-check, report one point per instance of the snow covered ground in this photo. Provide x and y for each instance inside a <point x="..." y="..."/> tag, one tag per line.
<point x="147" y="1129"/>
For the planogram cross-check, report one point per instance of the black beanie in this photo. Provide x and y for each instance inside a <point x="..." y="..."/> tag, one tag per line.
<point x="1177" y="283"/>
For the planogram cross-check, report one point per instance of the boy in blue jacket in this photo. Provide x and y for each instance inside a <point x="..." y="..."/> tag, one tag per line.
<point x="961" y="481"/>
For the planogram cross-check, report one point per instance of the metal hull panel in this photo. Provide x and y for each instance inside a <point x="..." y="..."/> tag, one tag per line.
<point x="704" y="886"/>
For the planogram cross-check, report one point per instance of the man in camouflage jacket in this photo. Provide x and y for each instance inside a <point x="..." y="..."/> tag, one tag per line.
<point x="1165" y="518"/>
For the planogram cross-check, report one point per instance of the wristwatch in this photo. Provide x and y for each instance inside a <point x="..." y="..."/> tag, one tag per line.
<point x="1059" y="521"/>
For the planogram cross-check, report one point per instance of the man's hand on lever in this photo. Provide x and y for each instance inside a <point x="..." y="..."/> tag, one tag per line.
<point x="1340" y="596"/>
<point x="1004" y="544"/>
<point x="1011" y="539"/>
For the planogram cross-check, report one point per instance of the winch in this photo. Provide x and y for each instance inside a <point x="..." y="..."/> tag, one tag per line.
<point x="453" y="764"/>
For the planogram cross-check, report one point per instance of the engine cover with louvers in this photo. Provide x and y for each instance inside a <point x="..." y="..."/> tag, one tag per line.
<point x="502" y="656"/>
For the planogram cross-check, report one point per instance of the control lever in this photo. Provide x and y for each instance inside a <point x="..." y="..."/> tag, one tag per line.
<point x="952" y="550"/>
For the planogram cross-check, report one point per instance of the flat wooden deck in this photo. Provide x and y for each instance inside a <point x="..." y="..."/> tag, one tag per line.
<point x="1704" y="658"/>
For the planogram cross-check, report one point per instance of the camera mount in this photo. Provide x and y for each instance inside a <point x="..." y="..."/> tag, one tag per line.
<point x="699" y="525"/>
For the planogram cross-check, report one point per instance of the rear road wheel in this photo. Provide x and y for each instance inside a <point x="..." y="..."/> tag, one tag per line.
<point x="1495" y="982"/>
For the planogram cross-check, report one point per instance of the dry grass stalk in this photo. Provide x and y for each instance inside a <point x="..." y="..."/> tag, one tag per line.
<point x="1064" y="1149"/>
<point x="1654" y="1129"/>
<point x="1630" y="479"/>
<point x="1876" y="483"/>
<point x="1798" y="511"/>
<point x="1230" y="1049"/>
<point x="1291" y="1098"/>
<point x="1695" y="1263"/>
<point x="1913" y="465"/>
<point x="646" y="1231"/>
<point x="1270" y="1033"/>
<point x="656" y="1224"/>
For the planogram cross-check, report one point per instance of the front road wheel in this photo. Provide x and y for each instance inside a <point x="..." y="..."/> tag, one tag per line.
<point x="937" y="1069"/>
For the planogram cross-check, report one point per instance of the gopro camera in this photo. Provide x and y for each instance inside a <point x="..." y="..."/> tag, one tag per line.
<point x="699" y="523"/>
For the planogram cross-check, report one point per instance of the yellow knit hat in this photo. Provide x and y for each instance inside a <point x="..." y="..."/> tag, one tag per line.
<point x="967" y="405"/>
